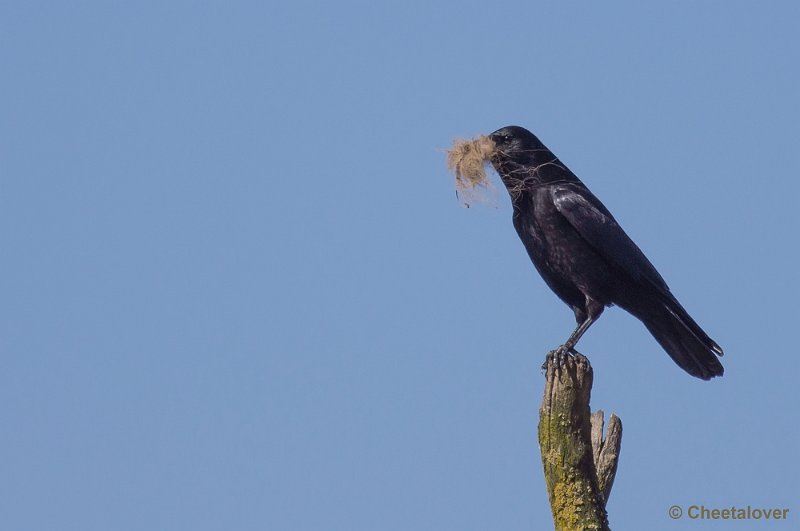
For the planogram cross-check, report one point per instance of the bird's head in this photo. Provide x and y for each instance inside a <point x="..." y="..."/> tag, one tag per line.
<point x="523" y="161"/>
<point x="516" y="144"/>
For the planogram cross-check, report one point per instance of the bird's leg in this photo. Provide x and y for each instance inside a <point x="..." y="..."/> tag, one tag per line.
<point x="559" y="355"/>
<point x="569" y="344"/>
<point x="585" y="316"/>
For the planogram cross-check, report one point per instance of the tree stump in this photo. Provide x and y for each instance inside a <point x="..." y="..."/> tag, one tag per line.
<point x="579" y="463"/>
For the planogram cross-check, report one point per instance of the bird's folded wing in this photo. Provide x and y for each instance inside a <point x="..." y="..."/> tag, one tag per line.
<point x="596" y="225"/>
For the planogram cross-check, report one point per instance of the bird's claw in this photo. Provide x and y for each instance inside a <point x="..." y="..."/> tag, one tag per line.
<point x="559" y="356"/>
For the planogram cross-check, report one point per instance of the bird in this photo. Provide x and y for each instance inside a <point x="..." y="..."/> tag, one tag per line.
<point x="585" y="256"/>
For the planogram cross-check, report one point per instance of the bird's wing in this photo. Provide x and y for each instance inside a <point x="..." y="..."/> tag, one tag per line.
<point x="597" y="226"/>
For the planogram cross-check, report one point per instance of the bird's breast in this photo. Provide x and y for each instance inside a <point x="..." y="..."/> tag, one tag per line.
<point x="566" y="261"/>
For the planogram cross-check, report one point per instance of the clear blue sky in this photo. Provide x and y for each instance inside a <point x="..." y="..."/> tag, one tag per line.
<point x="239" y="292"/>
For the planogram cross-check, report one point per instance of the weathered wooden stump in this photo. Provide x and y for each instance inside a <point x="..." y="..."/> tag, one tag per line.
<point x="579" y="463"/>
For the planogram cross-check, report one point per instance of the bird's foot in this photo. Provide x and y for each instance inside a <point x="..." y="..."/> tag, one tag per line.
<point x="559" y="356"/>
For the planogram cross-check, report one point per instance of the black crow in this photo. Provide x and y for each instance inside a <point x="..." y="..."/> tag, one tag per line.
<point x="586" y="258"/>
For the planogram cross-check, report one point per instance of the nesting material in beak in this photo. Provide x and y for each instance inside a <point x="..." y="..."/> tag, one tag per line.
<point x="467" y="160"/>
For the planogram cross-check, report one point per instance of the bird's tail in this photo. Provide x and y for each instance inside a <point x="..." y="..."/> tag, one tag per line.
<point x="682" y="338"/>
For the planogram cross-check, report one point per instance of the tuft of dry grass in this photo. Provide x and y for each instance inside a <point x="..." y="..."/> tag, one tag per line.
<point x="467" y="160"/>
